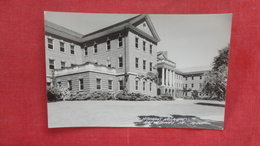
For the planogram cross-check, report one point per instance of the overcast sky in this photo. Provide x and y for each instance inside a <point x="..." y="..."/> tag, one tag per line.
<point x="191" y="40"/>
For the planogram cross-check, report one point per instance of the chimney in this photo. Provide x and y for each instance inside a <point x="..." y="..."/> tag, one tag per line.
<point x="165" y="54"/>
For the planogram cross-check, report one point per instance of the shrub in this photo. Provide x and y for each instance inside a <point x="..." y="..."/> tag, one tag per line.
<point x="167" y="96"/>
<point x="53" y="94"/>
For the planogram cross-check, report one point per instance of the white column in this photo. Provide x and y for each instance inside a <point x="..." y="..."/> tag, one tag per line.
<point x="166" y="80"/>
<point x="162" y="76"/>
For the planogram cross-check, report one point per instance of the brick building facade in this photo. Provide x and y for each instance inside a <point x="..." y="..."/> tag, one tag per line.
<point x="118" y="57"/>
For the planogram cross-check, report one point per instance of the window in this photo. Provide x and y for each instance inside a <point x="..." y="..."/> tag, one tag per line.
<point x="50" y="43"/>
<point x="69" y="85"/>
<point x="108" y="45"/>
<point x="98" y="83"/>
<point x="144" y="43"/>
<point x="151" y="66"/>
<point x="72" y="51"/>
<point x="120" y="62"/>
<point x="81" y="84"/>
<point x="150" y="86"/>
<point x="62" y="49"/>
<point x="136" y="62"/>
<point x="136" y="85"/>
<point x="86" y="50"/>
<point x="186" y="85"/>
<point x="95" y="48"/>
<point x="51" y="64"/>
<point x="191" y="85"/>
<point x="59" y="84"/>
<point x="121" y="85"/>
<point x="186" y="78"/>
<point x="63" y="64"/>
<point x="110" y="84"/>
<point x="200" y="77"/>
<point x="136" y="42"/>
<point x="192" y="77"/>
<point x="120" y="41"/>
<point x="151" y="49"/>
<point x="144" y="63"/>
<point x="144" y="85"/>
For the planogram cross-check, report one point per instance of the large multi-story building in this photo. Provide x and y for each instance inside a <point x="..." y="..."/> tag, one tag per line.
<point x="119" y="57"/>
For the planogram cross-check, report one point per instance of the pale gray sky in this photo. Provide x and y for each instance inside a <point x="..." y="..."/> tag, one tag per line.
<point x="191" y="40"/>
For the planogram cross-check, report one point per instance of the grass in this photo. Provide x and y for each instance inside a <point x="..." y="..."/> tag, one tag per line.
<point x="133" y="113"/>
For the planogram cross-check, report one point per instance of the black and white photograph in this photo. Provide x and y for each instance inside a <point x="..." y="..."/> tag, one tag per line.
<point x="136" y="70"/>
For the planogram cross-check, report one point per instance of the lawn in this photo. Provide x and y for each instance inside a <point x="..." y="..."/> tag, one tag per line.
<point x="178" y="113"/>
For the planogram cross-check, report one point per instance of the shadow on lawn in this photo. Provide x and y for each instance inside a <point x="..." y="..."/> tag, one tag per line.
<point x="178" y="121"/>
<point x="211" y="104"/>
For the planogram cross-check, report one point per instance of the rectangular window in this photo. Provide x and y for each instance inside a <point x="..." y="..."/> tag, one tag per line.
<point x="108" y="45"/>
<point x="151" y="49"/>
<point x="120" y="62"/>
<point x="110" y="84"/>
<point x="191" y="85"/>
<point x="86" y="50"/>
<point x="144" y="86"/>
<point x="144" y="44"/>
<point x="186" y="85"/>
<point x="144" y="64"/>
<point x="150" y="86"/>
<point x="69" y="85"/>
<point x="136" y="85"/>
<point x="151" y="66"/>
<point x="98" y="83"/>
<point x="95" y="48"/>
<point x="192" y="77"/>
<point x="51" y="64"/>
<point x="136" y="62"/>
<point x="200" y="77"/>
<point x="121" y="85"/>
<point x="72" y="51"/>
<point x="81" y="84"/>
<point x="200" y="85"/>
<point x="62" y="49"/>
<point x="50" y="43"/>
<point x="63" y="63"/>
<point x="186" y="78"/>
<point x="136" y="42"/>
<point x="120" y="41"/>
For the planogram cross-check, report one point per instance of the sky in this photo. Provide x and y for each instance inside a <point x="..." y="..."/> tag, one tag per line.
<point x="190" y="40"/>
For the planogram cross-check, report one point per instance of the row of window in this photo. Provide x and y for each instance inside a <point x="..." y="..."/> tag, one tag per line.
<point x="63" y="63"/>
<point x="110" y="84"/>
<point x="144" y="85"/>
<point x="192" y="78"/>
<point x="62" y="46"/>
<point x="108" y="46"/>
<point x="144" y="45"/>
<point x="192" y="85"/>
<point x="144" y="64"/>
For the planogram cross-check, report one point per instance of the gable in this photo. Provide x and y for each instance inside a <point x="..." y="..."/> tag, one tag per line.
<point x="145" y="28"/>
<point x="144" y="24"/>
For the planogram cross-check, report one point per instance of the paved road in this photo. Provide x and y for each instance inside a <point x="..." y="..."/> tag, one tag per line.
<point x="136" y="113"/>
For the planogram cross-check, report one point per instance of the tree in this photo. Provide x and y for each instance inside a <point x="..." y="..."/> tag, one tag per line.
<point x="216" y="79"/>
